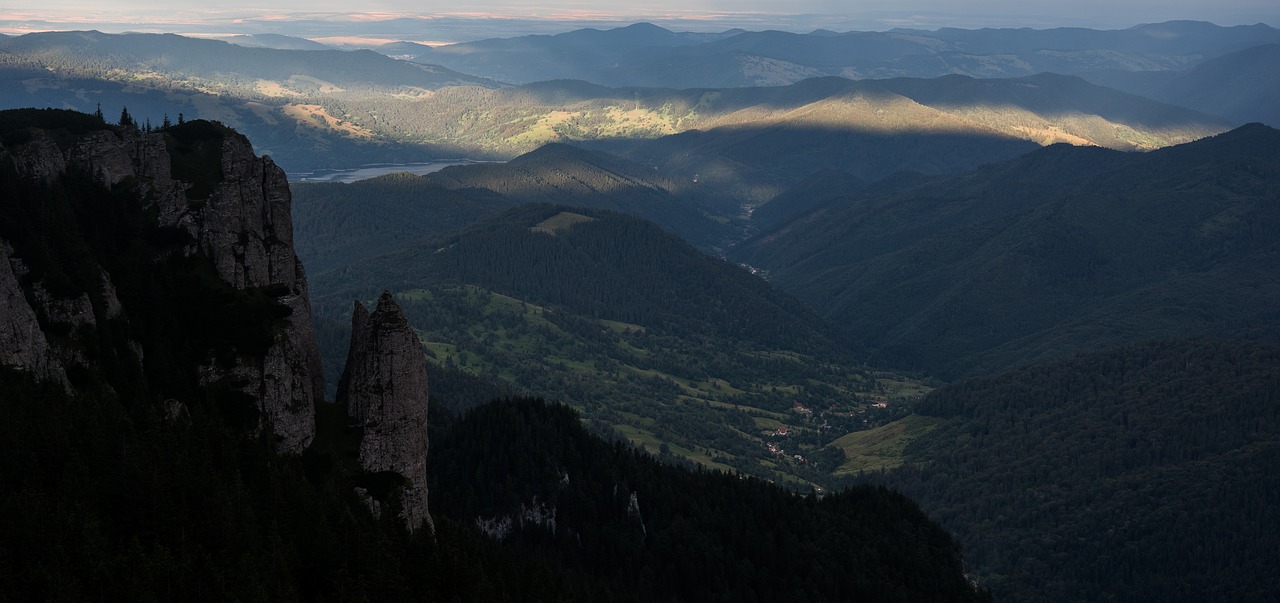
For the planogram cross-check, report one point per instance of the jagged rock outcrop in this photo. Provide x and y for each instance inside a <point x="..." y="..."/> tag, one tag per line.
<point x="238" y="214"/>
<point x="384" y="388"/>
<point x="245" y="226"/>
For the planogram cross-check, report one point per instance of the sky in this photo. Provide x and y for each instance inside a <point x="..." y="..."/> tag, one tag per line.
<point x="318" y="18"/>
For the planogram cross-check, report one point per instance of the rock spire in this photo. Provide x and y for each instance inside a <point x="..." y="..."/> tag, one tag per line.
<point x="384" y="388"/>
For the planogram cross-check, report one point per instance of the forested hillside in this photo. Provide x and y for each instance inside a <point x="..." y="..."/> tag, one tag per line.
<point x="342" y="223"/>
<point x="1141" y="473"/>
<point x="1064" y="249"/>
<point x="661" y="533"/>
<point x="653" y="340"/>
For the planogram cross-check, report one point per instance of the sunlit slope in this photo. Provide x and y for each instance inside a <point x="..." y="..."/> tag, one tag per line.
<point x="1043" y="109"/>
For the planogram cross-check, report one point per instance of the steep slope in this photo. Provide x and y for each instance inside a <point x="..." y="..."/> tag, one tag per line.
<point x="210" y="205"/>
<point x="1137" y="473"/>
<point x="1065" y="249"/>
<point x="384" y="391"/>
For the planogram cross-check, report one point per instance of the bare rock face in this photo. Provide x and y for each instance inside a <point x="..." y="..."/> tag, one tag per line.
<point x="39" y="158"/>
<point x="245" y="226"/>
<point x="240" y="218"/>
<point x="384" y="387"/>
<point x="23" y="344"/>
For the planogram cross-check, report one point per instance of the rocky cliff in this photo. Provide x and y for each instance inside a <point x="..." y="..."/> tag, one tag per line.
<point x="384" y="388"/>
<point x="203" y="186"/>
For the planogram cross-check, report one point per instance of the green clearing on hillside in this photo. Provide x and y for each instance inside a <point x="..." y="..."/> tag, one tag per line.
<point x="633" y="383"/>
<point x="883" y="447"/>
<point x="560" y="221"/>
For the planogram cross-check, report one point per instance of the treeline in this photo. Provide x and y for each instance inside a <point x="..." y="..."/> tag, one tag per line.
<point x="1144" y="472"/>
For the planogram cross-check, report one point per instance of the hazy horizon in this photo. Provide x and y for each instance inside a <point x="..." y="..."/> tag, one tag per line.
<point x="401" y="20"/>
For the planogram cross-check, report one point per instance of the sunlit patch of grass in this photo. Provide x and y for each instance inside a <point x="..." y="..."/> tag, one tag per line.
<point x="882" y="447"/>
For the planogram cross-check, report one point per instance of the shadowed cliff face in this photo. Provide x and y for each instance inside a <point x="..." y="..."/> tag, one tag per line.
<point x="384" y="388"/>
<point x="200" y="181"/>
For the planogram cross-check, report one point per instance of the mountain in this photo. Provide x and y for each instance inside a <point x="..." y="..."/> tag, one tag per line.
<point x="643" y="55"/>
<point x="1062" y="250"/>
<point x="1133" y="473"/>
<point x="341" y="223"/>
<point x="650" y="338"/>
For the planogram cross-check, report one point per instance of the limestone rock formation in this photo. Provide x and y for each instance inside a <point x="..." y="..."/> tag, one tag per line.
<point x="238" y="214"/>
<point x="245" y="226"/>
<point x="384" y="388"/>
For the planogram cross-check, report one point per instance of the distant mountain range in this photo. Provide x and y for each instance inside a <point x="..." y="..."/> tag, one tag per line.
<point x="276" y="41"/>
<point x="329" y="108"/>
<point x="227" y="68"/>
<point x="1240" y="86"/>
<point x="647" y="55"/>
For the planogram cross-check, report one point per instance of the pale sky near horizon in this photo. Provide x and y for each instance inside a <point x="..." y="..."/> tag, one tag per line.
<point x="704" y="15"/>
